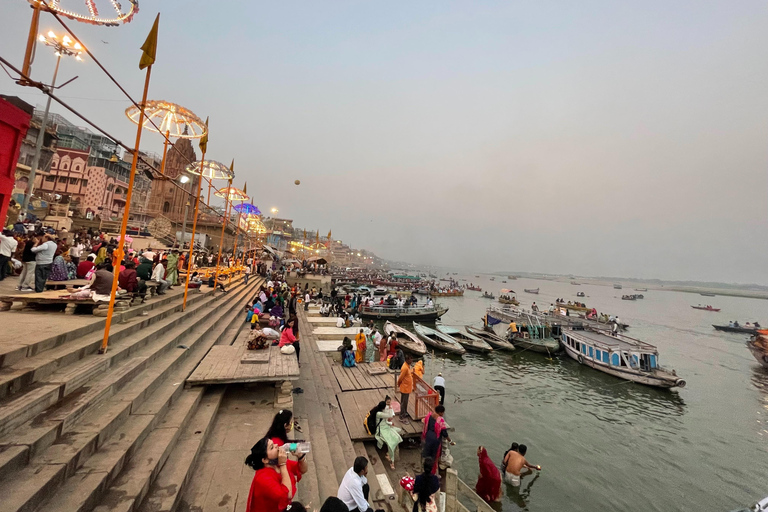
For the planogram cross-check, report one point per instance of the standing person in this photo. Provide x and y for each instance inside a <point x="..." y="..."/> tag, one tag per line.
<point x="424" y="487"/>
<point x="360" y="346"/>
<point x="288" y="338"/>
<point x="432" y="436"/>
<point x="405" y="384"/>
<point x="274" y="483"/>
<point x="439" y="385"/>
<point x="354" y="489"/>
<point x="76" y="251"/>
<point x="246" y="274"/>
<point x="489" y="484"/>
<point x="44" y="251"/>
<point x="172" y="274"/>
<point x="307" y="298"/>
<point x="384" y="348"/>
<point x="8" y="246"/>
<point x="514" y="462"/>
<point x="370" y="354"/>
<point x="616" y="325"/>
<point x="27" y="277"/>
<point x="158" y="275"/>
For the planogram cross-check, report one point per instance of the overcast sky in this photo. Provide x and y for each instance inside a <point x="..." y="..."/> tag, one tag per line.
<point x="590" y="137"/>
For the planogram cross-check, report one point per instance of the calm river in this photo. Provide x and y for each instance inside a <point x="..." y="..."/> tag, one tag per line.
<point x="606" y="444"/>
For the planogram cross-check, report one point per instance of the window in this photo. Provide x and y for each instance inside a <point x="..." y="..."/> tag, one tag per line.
<point x="605" y="357"/>
<point x="84" y="183"/>
<point x="166" y="207"/>
<point x="64" y="166"/>
<point x="597" y="353"/>
<point x="73" y="181"/>
<point x="55" y="163"/>
<point x="77" y="167"/>
<point x="615" y="359"/>
<point x="50" y="178"/>
<point x="591" y="353"/>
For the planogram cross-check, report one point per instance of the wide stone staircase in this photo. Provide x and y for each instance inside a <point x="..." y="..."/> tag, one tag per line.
<point x="83" y="431"/>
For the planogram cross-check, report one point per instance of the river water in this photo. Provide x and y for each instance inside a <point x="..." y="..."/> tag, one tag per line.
<point x="606" y="444"/>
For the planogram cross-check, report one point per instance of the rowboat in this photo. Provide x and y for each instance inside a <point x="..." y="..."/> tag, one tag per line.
<point x="576" y="283"/>
<point x="404" y="313"/>
<point x="617" y="287"/>
<point x="620" y="356"/>
<point x="581" y="294"/>
<point x="535" y="344"/>
<point x="467" y="340"/>
<point x="641" y="289"/>
<point x="507" y="300"/>
<point x="572" y="307"/>
<point x="438" y="340"/>
<point x="487" y="295"/>
<point x="758" y="345"/>
<point x="455" y="293"/>
<point x="406" y="339"/>
<point x="628" y="297"/>
<point x="729" y="328"/>
<point x="707" y="294"/>
<point x="706" y="308"/>
<point x="491" y="338"/>
<point x="474" y="288"/>
<point x="531" y="290"/>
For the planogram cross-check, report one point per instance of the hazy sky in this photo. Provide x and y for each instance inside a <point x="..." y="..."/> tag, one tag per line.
<point x="590" y="137"/>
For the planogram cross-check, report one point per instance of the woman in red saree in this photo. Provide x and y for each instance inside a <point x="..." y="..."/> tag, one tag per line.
<point x="432" y="436"/>
<point x="489" y="484"/>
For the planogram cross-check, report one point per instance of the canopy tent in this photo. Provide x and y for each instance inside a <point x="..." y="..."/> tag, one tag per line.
<point x="319" y="260"/>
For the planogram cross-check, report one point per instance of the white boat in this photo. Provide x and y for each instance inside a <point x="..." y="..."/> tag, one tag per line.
<point x="620" y="356"/>
<point x="468" y="341"/>
<point x="406" y="339"/>
<point x="438" y="340"/>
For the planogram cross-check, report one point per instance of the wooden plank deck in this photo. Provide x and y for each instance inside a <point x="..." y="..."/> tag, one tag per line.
<point x="359" y="377"/>
<point x="356" y="404"/>
<point x="223" y="365"/>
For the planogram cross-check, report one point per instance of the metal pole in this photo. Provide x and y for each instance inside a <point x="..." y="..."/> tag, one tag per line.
<point x="38" y="147"/>
<point x="194" y="228"/>
<point x="29" y="54"/>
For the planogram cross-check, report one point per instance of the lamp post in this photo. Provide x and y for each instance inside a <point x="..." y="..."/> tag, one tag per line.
<point x="184" y="179"/>
<point x="63" y="46"/>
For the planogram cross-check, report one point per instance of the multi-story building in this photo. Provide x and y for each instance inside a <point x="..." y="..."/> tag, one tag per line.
<point x="27" y="153"/>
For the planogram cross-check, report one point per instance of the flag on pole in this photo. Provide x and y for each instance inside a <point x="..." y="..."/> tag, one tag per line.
<point x="317" y="236"/>
<point x="305" y="233"/>
<point x="149" y="48"/>
<point x="329" y="235"/>
<point x="245" y="188"/>
<point x="204" y="140"/>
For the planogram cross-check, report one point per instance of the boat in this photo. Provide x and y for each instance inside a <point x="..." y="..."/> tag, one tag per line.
<point x="534" y="341"/>
<point x="707" y="294"/>
<point x="628" y="297"/>
<point x="758" y="345"/>
<point x="617" y="287"/>
<point x="706" y="308"/>
<point x="639" y="296"/>
<point x="379" y="290"/>
<point x="406" y="339"/>
<point x="512" y="277"/>
<point x="760" y="506"/>
<point x="736" y="328"/>
<point x="576" y="283"/>
<point x="641" y="289"/>
<point x="474" y="288"/>
<point x="487" y="295"/>
<point x="580" y="294"/>
<point x="467" y="340"/>
<point x="504" y="281"/>
<point x="572" y="307"/>
<point x="620" y="356"/>
<point x="453" y="293"/>
<point x="403" y="313"/>
<point x="531" y="290"/>
<point x="497" y="342"/>
<point x="438" y="340"/>
<point x="507" y="300"/>
<point x="493" y="279"/>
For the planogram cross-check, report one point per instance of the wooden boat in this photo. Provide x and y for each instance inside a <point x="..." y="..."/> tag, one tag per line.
<point x="406" y="339"/>
<point x="404" y="313"/>
<point x="512" y="277"/>
<point x="572" y="307"/>
<point x="487" y="295"/>
<point x="531" y="290"/>
<point x="474" y="288"/>
<point x="581" y="294"/>
<point x="620" y="356"/>
<point x="576" y="283"/>
<point x="491" y="338"/>
<point x="639" y="296"/>
<point x="758" y="345"/>
<point x="617" y="287"/>
<point x="513" y="301"/>
<point x="467" y="340"/>
<point x="438" y="340"/>
<point x="534" y="344"/>
<point x="707" y="294"/>
<point x="641" y="289"/>
<point x="454" y="293"/>
<point x="729" y="328"/>
<point x="628" y="297"/>
<point x="706" y="308"/>
<point x="380" y="290"/>
<point x="493" y="279"/>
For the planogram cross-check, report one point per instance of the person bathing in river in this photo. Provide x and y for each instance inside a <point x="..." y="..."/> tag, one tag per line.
<point x="489" y="483"/>
<point x="514" y="462"/>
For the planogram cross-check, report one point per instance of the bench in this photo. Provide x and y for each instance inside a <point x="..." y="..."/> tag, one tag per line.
<point x="74" y="283"/>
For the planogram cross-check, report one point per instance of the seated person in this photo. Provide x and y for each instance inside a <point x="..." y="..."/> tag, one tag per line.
<point x="84" y="267"/>
<point x="129" y="281"/>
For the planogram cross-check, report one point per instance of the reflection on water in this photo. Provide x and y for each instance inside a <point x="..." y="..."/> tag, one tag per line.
<point x="520" y="495"/>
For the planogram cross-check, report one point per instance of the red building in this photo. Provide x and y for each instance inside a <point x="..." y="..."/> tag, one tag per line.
<point x="14" y="122"/>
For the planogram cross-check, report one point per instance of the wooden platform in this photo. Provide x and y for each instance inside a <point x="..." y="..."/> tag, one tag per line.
<point x="224" y="365"/>
<point x="356" y="404"/>
<point x="73" y="283"/>
<point x="53" y="297"/>
<point x="360" y="377"/>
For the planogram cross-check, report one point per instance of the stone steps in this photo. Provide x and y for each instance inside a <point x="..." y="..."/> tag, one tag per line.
<point x="92" y="445"/>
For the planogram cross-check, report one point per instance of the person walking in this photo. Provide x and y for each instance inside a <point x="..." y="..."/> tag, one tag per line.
<point x="405" y="385"/>
<point x="439" y="385"/>
<point x="246" y="274"/>
<point x="44" y="250"/>
<point x="27" y="277"/>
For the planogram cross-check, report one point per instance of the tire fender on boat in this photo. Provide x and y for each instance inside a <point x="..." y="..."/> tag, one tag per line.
<point x="680" y="383"/>
<point x="397" y="315"/>
<point x="378" y="317"/>
<point x="581" y="359"/>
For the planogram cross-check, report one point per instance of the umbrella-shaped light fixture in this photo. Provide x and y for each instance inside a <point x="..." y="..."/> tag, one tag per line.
<point x="248" y="209"/>
<point x="231" y="194"/>
<point x="211" y="169"/>
<point x="170" y="118"/>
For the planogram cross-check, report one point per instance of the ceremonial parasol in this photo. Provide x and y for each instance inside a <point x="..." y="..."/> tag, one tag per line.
<point x="212" y="170"/>
<point x="231" y="194"/>
<point x="248" y="209"/>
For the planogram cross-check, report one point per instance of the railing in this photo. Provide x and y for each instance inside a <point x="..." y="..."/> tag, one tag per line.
<point x="423" y="399"/>
<point x="455" y="491"/>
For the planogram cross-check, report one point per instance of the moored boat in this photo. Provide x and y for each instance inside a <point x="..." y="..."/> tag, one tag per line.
<point x="380" y="290"/>
<point x="406" y="339"/>
<point x="467" y="340"/>
<point x="758" y="345"/>
<point x="706" y="308"/>
<point x="541" y="345"/>
<point x="405" y="313"/>
<point x="438" y="340"/>
<point x="491" y="338"/>
<point x="573" y="307"/>
<point x="620" y="356"/>
<point x="531" y="290"/>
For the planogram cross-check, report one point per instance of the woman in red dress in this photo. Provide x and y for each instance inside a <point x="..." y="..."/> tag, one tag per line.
<point x="489" y="484"/>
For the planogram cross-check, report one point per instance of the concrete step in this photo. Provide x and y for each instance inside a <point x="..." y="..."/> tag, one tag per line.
<point x="21" y="407"/>
<point x="75" y="441"/>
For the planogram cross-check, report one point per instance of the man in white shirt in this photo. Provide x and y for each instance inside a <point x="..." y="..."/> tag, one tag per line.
<point x="307" y="298"/>
<point x="76" y="251"/>
<point x="354" y="489"/>
<point x="246" y="275"/>
<point x="7" y="248"/>
<point x="44" y="253"/>
<point x="439" y="385"/>
<point x="158" y="275"/>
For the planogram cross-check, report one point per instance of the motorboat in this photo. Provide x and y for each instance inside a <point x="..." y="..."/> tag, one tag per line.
<point x="467" y="340"/>
<point x="487" y="295"/>
<point x="531" y="290"/>
<point x="497" y="342"/>
<point x="617" y="287"/>
<point x="641" y="289"/>
<point x="573" y="307"/>
<point x="406" y="339"/>
<point x="403" y="312"/>
<point x="380" y="290"/>
<point x="506" y="299"/>
<point x="438" y="340"/>
<point x="706" y="308"/>
<point x="620" y="356"/>
<point x="581" y="294"/>
<point x="747" y="329"/>
<point x="628" y="297"/>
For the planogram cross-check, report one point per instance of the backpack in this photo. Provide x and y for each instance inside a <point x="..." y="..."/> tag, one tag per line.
<point x="368" y="422"/>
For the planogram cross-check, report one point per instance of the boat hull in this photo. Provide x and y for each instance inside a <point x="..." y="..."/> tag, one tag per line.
<point x="727" y="328"/>
<point x="549" y="346"/>
<point x="403" y="314"/>
<point x="446" y="346"/>
<point x="714" y="310"/>
<point x="406" y="339"/>
<point x="468" y="341"/>
<point x="495" y="341"/>
<point x="514" y="302"/>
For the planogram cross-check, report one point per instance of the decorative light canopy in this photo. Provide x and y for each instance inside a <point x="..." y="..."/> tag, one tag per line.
<point x="232" y="194"/>
<point x="64" y="45"/>
<point x="168" y="117"/>
<point x="109" y="18"/>
<point x="255" y="225"/>
<point x="212" y="170"/>
<point x="248" y="209"/>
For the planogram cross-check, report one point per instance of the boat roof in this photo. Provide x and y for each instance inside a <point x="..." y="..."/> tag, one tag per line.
<point x="619" y="342"/>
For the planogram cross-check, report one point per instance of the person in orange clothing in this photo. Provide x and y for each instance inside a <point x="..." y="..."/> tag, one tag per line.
<point x="418" y="368"/>
<point x="361" y="346"/>
<point x="405" y="383"/>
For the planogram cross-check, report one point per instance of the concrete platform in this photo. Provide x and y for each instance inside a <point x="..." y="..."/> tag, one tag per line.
<point x="329" y="345"/>
<point x="322" y="321"/>
<point x="331" y="333"/>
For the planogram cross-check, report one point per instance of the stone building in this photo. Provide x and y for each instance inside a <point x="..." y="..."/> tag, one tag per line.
<point x="168" y="196"/>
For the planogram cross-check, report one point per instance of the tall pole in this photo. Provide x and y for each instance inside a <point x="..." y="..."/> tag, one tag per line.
<point x="119" y="252"/>
<point x="194" y="228"/>
<point x="223" y="227"/>
<point x="165" y="152"/>
<point x="38" y="146"/>
<point x="234" y="251"/>
<point x="26" y="68"/>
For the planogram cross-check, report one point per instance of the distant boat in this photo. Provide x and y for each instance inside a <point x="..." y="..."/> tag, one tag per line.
<point x="438" y="340"/>
<point x="506" y="299"/>
<point x="617" y="287"/>
<point x="487" y="295"/>
<point x="467" y="340"/>
<point x="504" y="281"/>
<point x="474" y="288"/>
<point x="730" y="328"/>
<point x="406" y="339"/>
<point x="379" y="290"/>
<point x="491" y="338"/>
<point x="575" y="283"/>
<point x="493" y="279"/>
<point x="573" y="307"/>
<point x="706" y="308"/>
<point x="512" y="277"/>
<point x="454" y="293"/>
<point x="628" y="297"/>
<point x="641" y="289"/>
<point x="531" y="290"/>
<point x="707" y="294"/>
<point x="580" y="294"/>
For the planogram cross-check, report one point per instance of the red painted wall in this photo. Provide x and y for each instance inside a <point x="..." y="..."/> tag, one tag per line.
<point x="14" y="123"/>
